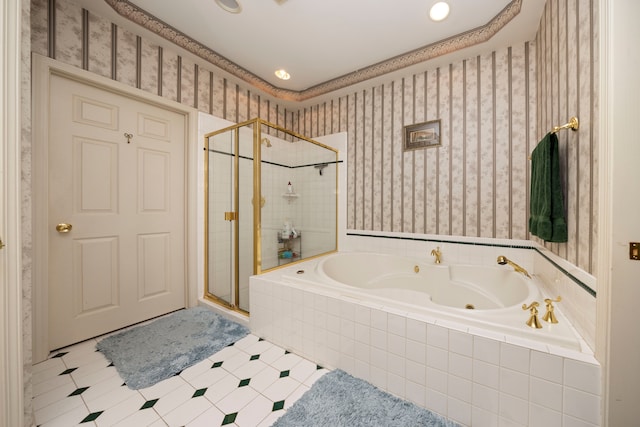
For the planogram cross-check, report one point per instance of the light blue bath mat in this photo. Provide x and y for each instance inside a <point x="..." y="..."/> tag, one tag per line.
<point x="338" y="399"/>
<point x="150" y="353"/>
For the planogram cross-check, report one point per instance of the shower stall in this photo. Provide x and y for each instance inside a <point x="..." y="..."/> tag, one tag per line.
<point x="271" y="199"/>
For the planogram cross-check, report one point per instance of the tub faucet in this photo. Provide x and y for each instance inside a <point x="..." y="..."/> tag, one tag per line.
<point x="436" y="253"/>
<point x="550" y="316"/>
<point x="502" y="260"/>
<point x="533" y="318"/>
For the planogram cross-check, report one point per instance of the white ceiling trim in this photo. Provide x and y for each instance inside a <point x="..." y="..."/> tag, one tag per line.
<point x="425" y="53"/>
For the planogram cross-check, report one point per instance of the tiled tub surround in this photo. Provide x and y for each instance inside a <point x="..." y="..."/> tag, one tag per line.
<point x="471" y="375"/>
<point x="557" y="276"/>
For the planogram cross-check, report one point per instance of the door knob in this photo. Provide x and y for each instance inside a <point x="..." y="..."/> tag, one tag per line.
<point x="63" y="228"/>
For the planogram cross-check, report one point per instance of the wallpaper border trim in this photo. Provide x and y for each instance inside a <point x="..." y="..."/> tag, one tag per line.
<point x="461" y="41"/>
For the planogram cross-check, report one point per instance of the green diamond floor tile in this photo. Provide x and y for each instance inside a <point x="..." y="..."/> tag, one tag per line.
<point x="284" y="374"/>
<point x="229" y="418"/>
<point x="216" y="365"/>
<point x="91" y="417"/>
<point x="244" y="382"/>
<point x="149" y="404"/>
<point x="68" y="371"/>
<point x="200" y="392"/>
<point x="255" y="357"/>
<point x="78" y="391"/>
<point x="278" y="405"/>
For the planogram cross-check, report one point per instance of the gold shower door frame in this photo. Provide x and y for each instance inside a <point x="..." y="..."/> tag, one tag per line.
<point x="257" y="207"/>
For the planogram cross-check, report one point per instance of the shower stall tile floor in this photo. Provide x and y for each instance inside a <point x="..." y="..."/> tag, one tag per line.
<point x="251" y="383"/>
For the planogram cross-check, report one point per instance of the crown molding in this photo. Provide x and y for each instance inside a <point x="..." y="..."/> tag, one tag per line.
<point x="452" y="44"/>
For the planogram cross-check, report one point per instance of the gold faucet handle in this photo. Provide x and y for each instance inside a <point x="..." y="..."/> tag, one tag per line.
<point x="548" y="301"/>
<point x="550" y="316"/>
<point x="436" y="253"/>
<point x="533" y="319"/>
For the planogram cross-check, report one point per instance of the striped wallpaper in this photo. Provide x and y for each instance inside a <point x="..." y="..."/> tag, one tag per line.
<point x="493" y="109"/>
<point x="567" y="59"/>
<point x="63" y="30"/>
<point x="475" y="184"/>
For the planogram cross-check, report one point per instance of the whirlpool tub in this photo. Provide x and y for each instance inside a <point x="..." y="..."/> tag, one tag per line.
<point x="429" y="285"/>
<point x="485" y="298"/>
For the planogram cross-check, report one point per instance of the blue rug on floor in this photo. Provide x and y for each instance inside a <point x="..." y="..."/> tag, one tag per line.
<point x="338" y="399"/>
<point x="147" y="354"/>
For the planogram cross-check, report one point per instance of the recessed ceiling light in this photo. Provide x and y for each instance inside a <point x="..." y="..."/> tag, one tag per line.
<point x="282" y="74"/>
<point x="439" y="11"/>
<point x="231" y="6"/>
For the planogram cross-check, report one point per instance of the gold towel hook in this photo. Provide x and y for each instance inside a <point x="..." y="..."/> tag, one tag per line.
<point x="573" y="124"/>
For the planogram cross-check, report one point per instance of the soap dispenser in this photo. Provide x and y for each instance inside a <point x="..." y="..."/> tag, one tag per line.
<point x="289" y="188"/>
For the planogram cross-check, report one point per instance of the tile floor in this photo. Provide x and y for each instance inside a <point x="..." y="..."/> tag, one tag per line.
<point x="250" y="383"/>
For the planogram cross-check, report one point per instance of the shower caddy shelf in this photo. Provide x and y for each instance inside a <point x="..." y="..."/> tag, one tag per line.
<point x="290" y="196"/>
<point x="293" y="245"/>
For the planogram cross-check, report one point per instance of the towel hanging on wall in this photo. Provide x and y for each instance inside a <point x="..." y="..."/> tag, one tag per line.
<point x="547" y="219"/>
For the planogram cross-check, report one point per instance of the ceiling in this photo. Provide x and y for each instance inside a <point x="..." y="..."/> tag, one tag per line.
<point x="329" y="44"/>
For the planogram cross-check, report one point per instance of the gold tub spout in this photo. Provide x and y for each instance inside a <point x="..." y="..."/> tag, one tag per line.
<point x="502" y="260"/>
<point x="436" y="253"/>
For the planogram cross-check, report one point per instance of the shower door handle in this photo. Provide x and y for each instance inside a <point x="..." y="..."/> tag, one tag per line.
<point x="230" y="216"/>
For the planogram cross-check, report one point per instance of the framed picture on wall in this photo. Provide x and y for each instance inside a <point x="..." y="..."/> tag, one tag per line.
<point x="422" y="135"/>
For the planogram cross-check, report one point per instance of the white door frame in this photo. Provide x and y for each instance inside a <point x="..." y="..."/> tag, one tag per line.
<point x="11" y="327"/>
<point x="42" y="69"/>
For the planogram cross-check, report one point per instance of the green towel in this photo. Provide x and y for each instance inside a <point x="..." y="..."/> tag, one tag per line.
<point x="547" y="219"/>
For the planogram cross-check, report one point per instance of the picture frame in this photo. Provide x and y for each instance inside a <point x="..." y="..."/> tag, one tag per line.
<point x="422" y="135"/>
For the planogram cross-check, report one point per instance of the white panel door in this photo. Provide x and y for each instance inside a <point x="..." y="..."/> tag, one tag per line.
<point x="116" y="177"/>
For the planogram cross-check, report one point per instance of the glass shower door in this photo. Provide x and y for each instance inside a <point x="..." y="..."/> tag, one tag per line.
<point x="245" y="224"/>
<point x="229" y="250"/>
<point x="220" y="219"/>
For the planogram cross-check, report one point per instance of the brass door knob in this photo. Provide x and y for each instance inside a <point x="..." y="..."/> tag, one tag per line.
<point x="63" y="228"/>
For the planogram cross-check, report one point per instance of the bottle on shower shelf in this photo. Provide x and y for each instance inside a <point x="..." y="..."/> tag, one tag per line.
<point x="286" y="230"/>
<point x="289" y="188"/>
